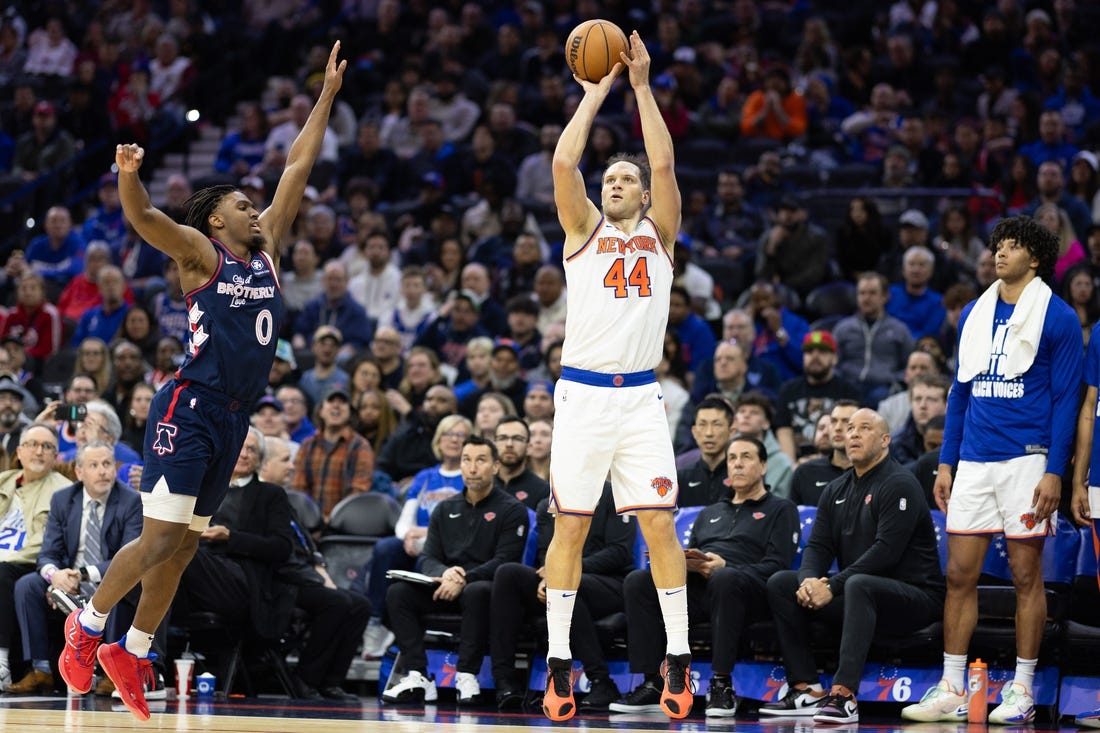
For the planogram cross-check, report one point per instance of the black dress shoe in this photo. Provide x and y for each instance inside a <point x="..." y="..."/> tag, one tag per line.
<point x="509" y="698"/>
<point x="335" y="692"/>
<point x="303" y="690"/>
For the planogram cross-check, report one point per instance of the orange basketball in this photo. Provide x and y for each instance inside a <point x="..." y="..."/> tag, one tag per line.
<point x="593" y="48"/>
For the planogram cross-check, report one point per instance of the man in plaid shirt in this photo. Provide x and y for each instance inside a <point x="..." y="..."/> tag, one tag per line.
<point x="336" y="461"/>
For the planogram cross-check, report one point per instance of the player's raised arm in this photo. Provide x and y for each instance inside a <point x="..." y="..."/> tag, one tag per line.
<point x="665" y="209"/>
<point x="576" y="213"/>
<point x="181" y="243"/>
<point x="277" y="218"/>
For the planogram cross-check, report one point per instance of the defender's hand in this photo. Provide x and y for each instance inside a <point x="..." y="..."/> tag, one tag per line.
<point x="128" y="158"/>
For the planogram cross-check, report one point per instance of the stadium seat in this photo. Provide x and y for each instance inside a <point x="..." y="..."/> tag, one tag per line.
<point x="306" y="510"/>
<point x="530" y="550"/>
<point x="1083" y="625"/>
<point x="806" y="515"/>
<point x="939" y="522"/>
<point x="831" y="299"/>
<point x="356" y="523"/>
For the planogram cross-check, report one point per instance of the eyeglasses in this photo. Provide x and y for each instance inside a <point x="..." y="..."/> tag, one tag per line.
<point x="293" y="401"/>
<point x="454" y="434"/>
<point x="519" y="439"/>
<point x="35" y="445"/>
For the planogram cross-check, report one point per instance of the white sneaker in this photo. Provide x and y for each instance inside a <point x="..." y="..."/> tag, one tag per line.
<point x="467" y="688"/>
<point x="156" y="692"/>
<point x="413" y="687"/>
<point x="376" y="640"/>
<point x="1017" y="706"/>
<point x="939" y="703"/>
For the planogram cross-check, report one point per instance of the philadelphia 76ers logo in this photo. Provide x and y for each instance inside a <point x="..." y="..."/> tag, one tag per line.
<point x="165" y="432"/>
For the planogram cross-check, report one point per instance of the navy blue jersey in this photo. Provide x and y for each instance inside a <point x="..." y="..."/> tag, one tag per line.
<point x="234" y="321"/>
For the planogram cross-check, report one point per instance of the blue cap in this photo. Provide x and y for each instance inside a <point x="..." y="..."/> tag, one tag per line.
<point x="543" y="385"/>
<point x="284" y="351"/>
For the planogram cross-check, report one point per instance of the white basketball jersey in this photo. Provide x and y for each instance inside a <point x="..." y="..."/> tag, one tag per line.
<point x="617" y="300"/>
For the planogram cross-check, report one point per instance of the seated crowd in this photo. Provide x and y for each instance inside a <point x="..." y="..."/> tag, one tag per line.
<point x="426" y="310"/>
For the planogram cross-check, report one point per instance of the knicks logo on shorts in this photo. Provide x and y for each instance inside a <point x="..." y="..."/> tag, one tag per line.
<point x="1028" y="520"/>
<point x="163" y="444"/>
<point x="661" y="485"/>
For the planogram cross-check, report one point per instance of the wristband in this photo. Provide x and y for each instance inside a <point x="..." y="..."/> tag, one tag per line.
<point x="49" y="574"/>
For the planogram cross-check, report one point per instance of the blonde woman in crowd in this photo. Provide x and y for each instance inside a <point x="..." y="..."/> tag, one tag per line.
<point x="538" y="448"/>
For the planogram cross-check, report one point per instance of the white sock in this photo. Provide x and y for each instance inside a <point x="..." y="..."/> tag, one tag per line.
<point x="91" y="619"/>
<point x="4" y="658"/>
<point x="1025" y="673"/>
<point x="559" y="617"/>
<point x="674" y="608"/>
<point x="954" y="672"/>
<point x="138" y="642"/>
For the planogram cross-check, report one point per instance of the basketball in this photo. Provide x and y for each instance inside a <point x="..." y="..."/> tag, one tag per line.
<point x="593" y="48"/>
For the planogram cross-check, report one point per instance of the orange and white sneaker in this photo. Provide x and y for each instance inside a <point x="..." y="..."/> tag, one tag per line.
<point x="77" y="663"/>
<point x="130" y="674"/>
<point x="558" y="703"/>
<point x="677" y="696"/>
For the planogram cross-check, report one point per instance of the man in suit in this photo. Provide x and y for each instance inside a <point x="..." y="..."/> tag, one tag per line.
<point x="74" y="557"/>
<point x="249" y="569"/>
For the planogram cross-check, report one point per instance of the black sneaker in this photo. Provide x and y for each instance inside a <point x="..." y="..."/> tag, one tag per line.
<point x="509" y="696"/>
<point x="603" y="693"/>
<point x="838" y="709"/>
<point x="721" y="701"/>
<point x="795" y="704"/>
<point x="645" y="698"/>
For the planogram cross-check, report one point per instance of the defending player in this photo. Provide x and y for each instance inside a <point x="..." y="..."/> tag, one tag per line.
<point x="609" y="409"/>
<point x="1009" y="427"/>
<point x="197" y="422"/>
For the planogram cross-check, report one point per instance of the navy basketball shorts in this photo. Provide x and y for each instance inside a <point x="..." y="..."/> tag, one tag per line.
<point x="192" y="441"/>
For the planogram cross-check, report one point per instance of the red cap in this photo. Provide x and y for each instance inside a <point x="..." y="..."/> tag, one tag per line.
<point x="44" y="108"/>
<point x="819" y="340"/>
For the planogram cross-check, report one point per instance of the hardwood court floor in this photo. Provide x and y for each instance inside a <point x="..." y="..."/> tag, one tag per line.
<point x="279" y="715"/>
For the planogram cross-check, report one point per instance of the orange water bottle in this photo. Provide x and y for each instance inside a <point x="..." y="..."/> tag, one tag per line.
<point x="977" y="685"/>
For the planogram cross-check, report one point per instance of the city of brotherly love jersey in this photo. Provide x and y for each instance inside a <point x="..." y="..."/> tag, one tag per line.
<point x="234" y="321"/>
<point x="617" y="298"/>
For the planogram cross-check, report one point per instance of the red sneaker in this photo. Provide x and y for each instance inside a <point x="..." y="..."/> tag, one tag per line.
<point x="77" y="661"/>
<point x="677" y="696"/>
<point x="558" y="703"/>
<point x="130" y="674"/>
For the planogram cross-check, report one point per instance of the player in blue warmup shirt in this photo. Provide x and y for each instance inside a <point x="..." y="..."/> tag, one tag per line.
<point x="1085" y="503"/>
<point x="1009" y="428"/>
<point x="227" y="253"/>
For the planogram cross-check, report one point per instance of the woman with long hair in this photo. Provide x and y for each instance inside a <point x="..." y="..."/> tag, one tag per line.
<point x="135" y="413"/>
<point x="421" y="373"/>
<point x="139" y="328"/>
<point x="1070" y="251"/>
<point x="1084" y="180"/>
<point x="672" y="375"/>
<point x="1079" y="291"/>
<point x="538" y="447"/>
<point x="376" y="419"/>
<point x="862" y="239"/>
<point x="365" y="374"/>
<point x="93" y="358"/>
<point x="491" y="409"/>
<point x="1018" y="188"/>
<point x="400" y="552"/>
<point x="957" y="240"/>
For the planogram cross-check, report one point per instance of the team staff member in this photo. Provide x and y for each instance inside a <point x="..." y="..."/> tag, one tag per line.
<point x="874" y="522"/>
<point x="470" y="535"/>
<point x="705" y="481"/>
<point x="742" y="541"/>
<point x="607" y="557"/>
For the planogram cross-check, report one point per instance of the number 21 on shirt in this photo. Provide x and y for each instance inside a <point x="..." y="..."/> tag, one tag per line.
<point x="617" y="280"/>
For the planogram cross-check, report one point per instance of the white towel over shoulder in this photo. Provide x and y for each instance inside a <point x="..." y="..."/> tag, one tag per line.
<point x="1025" y="327"/>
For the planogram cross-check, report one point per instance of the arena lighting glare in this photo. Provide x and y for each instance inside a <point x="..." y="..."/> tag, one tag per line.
<point x="30" y="223"/>
<point x="193" y="115"/>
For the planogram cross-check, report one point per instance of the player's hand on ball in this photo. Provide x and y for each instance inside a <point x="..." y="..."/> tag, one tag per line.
<point x="128" y="158"/>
